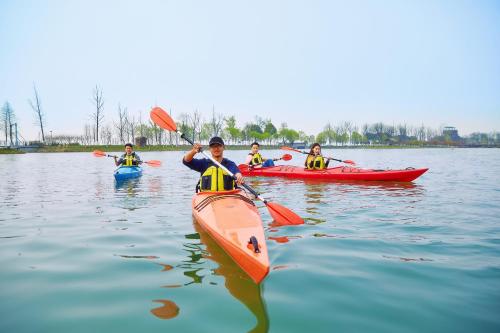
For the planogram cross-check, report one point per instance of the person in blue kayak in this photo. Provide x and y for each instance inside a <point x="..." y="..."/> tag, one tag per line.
<point x="130" y="158"/>
<point x="213" y="178"/>
<point x="315" y="161"/>
<point x="254" y="158"/>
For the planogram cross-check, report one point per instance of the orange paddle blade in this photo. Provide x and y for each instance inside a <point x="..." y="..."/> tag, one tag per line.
<point x="283" y="215"/>
<point x="286" y="157"/>
<point x="153" y="163"/>
<point x="162" y="119"/>
<point x="98" y="153"/>
<point x="349" y="162"/>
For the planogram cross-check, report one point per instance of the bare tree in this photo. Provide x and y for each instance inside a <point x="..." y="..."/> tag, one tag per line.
<point x="421" y="133"/>
<point x="122" y="123"/>
<point x="195" y="119"/>
<point x="131" y="129"/>
<point x="7" y="117"/>
<point x="141" y="129"/>
<point x="346" y="130"/>
<point x="402" y="130"/>
<point x="156" y="131"/>
<point x="98" y="114"/>
<point x="87" y="134"/>
<point x="330" y="132"/>
<point x="365" y="130"/>
<point x="170" y="132"/>
<point x="379" y="128"/>
<point x="216" y="123"/>
<point x="430" y="133"/>
<point x="37" y="107"/>
<point x="106" y="134"/>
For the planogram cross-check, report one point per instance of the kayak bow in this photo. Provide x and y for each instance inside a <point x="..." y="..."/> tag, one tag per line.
<point x="233" y="221"/>
<point x="128" y="172"/>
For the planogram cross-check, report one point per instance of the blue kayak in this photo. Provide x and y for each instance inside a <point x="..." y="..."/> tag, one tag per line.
<point x="128" y="172"/>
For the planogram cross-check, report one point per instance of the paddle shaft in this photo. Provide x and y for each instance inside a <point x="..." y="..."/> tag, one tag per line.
<point x="306" y="153"/>
<point x="251" y="190"/>
<point x="274" y="160"/>
<point x="140" y="162"/>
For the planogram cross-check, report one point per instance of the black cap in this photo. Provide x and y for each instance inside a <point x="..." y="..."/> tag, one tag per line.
<point x="216" y="141"/>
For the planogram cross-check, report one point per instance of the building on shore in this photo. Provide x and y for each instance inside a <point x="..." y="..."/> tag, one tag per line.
<point x="450" y="133"/>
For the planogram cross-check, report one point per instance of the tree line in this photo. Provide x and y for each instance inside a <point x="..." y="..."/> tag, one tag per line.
<point x="127" y="127"/>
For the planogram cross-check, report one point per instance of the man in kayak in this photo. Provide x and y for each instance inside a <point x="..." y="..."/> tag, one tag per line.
<point x="130" y="158"/>
<point x="213" y="178"/>
<point x="255" y="159"/>
<point x="314" y="160"/>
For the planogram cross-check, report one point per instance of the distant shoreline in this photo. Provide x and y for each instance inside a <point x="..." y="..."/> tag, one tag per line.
<point x="119" y="148"/>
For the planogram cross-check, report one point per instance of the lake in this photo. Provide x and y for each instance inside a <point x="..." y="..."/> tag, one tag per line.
<point x="82" y="253"/>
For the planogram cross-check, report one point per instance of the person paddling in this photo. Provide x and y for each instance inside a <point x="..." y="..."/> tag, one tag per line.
<point x="254" y="158"/>
<point x="213" y="178"/>
<point x="315" y="161"/>
<point x="130" y="158"/>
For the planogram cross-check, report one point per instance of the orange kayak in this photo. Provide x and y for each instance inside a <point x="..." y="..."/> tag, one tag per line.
<point x="233" y="221"/>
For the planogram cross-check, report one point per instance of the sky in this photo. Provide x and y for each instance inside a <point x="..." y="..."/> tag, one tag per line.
<point x="304" y="63"/>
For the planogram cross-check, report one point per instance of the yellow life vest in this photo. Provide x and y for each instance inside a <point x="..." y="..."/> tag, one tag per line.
<point x="129" y="160"/>
<point x="215" y="179"/>
<point x="256" y="159"/>
<point x="315" y="162"/>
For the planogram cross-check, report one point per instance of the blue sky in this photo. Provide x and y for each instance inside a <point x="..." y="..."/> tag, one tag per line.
<point x="305" y="63"/>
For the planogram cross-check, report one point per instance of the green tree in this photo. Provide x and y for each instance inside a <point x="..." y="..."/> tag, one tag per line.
<point x="357" y="138"/>
<point x="322" y="138"/>
<point x="233" y="132"/>
<point x="256" y="136"/>
<point x="304" y="137"/>
<point x="343" y="138"/>
<point x="270" y="131"/>
<point x="289" y="135"/>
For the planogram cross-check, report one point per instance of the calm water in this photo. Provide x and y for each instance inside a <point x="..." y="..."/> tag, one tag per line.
<point x="80" y="253"/>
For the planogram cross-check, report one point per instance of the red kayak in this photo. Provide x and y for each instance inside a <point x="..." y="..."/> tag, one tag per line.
<point x="338" y="173"/>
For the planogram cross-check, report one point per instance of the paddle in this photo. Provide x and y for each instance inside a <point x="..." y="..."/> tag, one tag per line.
<point x="286" y="157"/>
<point x="328" y="158"/>
<point x="153" y="163"/>
<point x="280" y="214"/>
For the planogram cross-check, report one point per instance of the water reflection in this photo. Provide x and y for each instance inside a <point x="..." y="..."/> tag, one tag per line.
<point x="316" y="194"/>
<point x="237" y="282"/>
<point x="129" y="187"/>
<point x="155" y="185"/>
<point x="195" y="263"/>
<point x="261" y="184"/>
<point x="168" y="310"/>
<point x="360" y="183"/>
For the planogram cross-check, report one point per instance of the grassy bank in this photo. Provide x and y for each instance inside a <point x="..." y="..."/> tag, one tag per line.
<point x="120" y="148"/>
<point x="10" y="151"/>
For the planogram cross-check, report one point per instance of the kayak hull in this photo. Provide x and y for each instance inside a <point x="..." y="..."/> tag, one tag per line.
<point x="338" y="173"/>
<point x="232" y="219"/>
<point x="127" y="172"/>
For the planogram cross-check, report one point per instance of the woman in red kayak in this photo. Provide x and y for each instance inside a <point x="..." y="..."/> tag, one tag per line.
<point x="213" y="178"/>
<point x="315" y="161"/>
